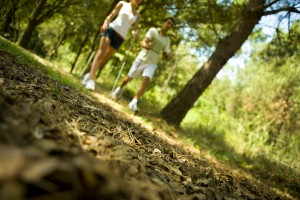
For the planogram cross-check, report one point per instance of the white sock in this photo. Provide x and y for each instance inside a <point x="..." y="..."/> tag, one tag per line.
<point x="118" y="89"/>
<point x="134" y="100"/>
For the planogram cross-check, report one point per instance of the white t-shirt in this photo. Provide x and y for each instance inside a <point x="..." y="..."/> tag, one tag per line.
<point x="161" y="43"/>
<point x="124" y="20"/>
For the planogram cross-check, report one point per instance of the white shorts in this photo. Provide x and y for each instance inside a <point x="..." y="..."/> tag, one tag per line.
<point x="138" y="66"/>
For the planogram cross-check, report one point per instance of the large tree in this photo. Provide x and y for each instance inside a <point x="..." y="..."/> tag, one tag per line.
<point x="253" y="11"/>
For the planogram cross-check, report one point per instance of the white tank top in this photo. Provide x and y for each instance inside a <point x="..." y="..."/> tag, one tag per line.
<point x="124" y="20"/>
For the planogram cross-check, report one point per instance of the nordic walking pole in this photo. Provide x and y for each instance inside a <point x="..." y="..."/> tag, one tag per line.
<point x="87" y="64"/>
<point x="122" y="67"/>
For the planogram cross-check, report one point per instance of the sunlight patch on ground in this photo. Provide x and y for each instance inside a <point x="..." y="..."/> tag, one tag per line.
<point x="168" y="137"/>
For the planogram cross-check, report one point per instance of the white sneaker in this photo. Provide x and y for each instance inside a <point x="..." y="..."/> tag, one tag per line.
<point x="116" y="93"/>
<point x="133" y="105"/>
<point x="90" y="85"/>
<point x="85" y="79"/>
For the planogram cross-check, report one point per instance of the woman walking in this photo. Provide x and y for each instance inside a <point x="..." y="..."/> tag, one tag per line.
<point x="115" y="27"/>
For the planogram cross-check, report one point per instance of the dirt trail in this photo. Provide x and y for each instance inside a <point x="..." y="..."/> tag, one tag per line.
<point x="60" y="143"/>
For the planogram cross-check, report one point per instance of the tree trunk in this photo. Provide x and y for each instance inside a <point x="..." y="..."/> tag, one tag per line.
<point x="79" y="51"/>
<point x="8" y="19"/>
<point x="24" y="41"/>
<point x="175" y="111"/>
<point x="8" y="26"/>
<point x="55" y="47"/>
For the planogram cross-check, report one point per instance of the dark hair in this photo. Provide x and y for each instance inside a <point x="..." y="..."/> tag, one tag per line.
<point x="171" y="18"/>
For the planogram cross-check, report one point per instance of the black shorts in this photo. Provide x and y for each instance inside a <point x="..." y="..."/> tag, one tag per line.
<point x="115" y="39"/>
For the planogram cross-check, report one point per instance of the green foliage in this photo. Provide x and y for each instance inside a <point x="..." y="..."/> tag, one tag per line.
<point x="25" y="57"/>
<point x="63" y="32"/>
<point x="22" y="55"/>
<point x="252" y="120"/>
<point x="12" y="14"/>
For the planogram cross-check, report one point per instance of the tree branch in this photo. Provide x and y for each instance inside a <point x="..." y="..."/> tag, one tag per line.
<point x="289" y="9"/>
<point x="271" y="3"/>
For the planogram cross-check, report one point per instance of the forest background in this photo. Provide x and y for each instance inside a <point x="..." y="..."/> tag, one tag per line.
<point x="253" y="102"/>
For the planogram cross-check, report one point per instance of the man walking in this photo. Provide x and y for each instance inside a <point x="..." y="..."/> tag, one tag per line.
<point x="154" y="42"/>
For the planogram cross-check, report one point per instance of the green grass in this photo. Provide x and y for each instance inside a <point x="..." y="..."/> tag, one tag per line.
<point x="25" y="57"/>
<point x="19" y="53"/>
<point x="234" y="144"/>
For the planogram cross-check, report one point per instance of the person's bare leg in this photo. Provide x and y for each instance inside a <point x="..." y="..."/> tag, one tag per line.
<point x="118" y="90"/>
<point x="103" y="54"/>
<point x="133" y="104"/>
<point x="125" y="81"/>
<point x="142" y="89"/>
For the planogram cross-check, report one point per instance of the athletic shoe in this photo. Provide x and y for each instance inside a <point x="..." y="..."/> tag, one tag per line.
<point x="85" y="79"/>
<point x="133" y="105"/>
<point x="116" y="93"/>
<point x="90" y="85"/>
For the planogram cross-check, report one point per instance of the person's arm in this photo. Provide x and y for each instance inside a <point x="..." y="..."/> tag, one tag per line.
<point x="111" y="16"/>
<point x="135" y="31"/>
<point x="147" y="43"/>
